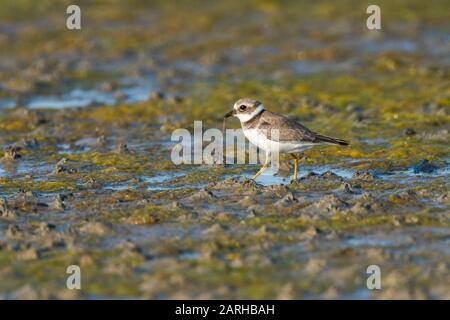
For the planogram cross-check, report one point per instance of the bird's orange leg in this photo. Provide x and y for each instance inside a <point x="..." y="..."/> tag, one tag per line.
<point x="295" y="166"/>
<point x="264" y="167"/>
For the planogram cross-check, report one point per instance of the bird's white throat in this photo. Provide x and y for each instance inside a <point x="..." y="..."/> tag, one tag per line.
<point x="248" y="117"/>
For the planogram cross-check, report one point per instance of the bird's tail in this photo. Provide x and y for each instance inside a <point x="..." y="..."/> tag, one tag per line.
<point x="322" y="138"/>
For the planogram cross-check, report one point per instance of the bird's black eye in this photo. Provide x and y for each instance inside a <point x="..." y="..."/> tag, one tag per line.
<point x="242" y="107"/>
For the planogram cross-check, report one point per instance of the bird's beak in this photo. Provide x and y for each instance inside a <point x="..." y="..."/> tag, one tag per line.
<point x="229" y="114"/>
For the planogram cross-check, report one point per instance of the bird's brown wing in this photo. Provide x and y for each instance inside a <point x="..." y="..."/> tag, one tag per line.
<point x="291" y="131"/>
<point x="278" y="128"/>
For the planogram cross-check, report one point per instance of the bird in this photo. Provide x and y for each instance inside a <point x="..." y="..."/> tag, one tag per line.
<point x="274" y="132"/>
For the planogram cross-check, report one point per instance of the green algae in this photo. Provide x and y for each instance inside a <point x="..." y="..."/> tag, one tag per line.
<point x="12" y="185"/>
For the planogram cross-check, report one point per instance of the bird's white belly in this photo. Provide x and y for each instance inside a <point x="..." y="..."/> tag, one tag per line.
<point x="258" y="138"/>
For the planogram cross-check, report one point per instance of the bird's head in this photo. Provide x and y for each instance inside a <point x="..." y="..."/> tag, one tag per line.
<point x="245" y="109"/>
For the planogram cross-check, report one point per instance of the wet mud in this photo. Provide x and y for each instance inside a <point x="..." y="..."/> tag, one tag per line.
<point x="86" y="176"/>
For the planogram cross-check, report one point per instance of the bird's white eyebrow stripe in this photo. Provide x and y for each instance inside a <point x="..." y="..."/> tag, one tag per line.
<point x="254" y="113"/>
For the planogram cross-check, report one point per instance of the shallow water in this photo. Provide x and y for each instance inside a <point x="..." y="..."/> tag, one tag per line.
<point x="84" y="98"/>
<point x="270" y="179"/>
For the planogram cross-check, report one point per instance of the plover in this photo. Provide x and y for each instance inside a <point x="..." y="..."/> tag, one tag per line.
<point x="270" y="131"/>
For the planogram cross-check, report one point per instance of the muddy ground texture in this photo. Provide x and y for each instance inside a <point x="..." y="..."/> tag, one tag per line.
<point x="86" y="176"/>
